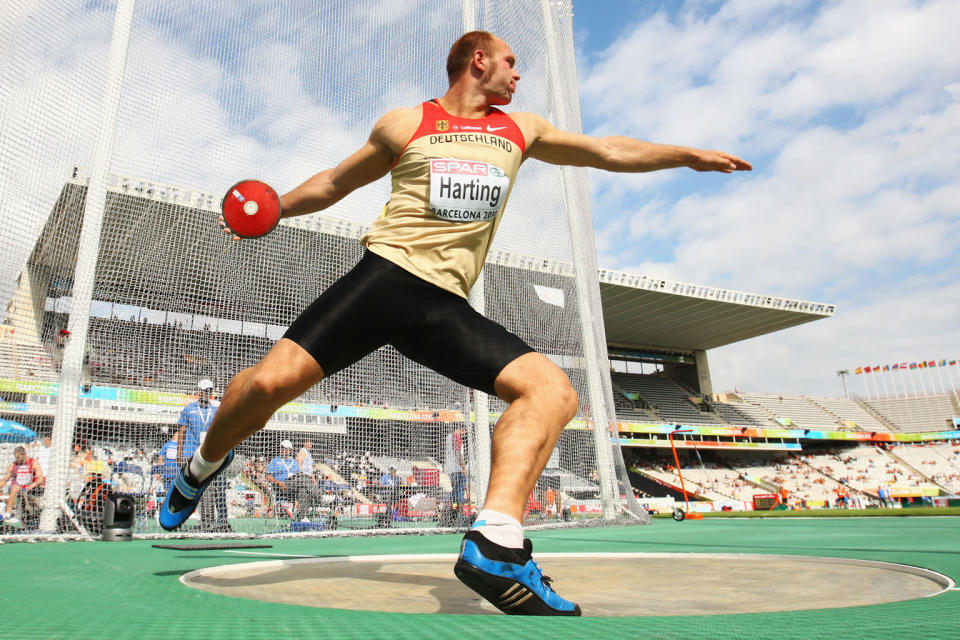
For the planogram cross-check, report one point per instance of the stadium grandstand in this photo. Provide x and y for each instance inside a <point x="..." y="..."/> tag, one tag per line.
<point x="147" y="348"/>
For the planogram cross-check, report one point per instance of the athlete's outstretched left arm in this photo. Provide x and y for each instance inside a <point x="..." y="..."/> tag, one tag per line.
<point x="616" y="153"/>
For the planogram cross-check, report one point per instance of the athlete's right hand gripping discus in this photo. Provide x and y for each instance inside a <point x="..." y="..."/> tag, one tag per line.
<point x="251" y="209"/>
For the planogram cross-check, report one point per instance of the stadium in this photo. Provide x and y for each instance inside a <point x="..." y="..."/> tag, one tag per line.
<point x="123" y="294"/>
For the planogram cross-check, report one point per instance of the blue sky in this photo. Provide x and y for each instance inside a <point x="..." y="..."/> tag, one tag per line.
<point x="849" y="110"/>
<point x="850" y="113"/>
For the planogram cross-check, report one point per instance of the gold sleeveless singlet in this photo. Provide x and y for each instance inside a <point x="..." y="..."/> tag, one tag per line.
<point x="449" y="187"/>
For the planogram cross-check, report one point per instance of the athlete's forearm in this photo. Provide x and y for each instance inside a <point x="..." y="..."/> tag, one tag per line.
<point x="628" y="155"/>
<point x="316" y="194"/>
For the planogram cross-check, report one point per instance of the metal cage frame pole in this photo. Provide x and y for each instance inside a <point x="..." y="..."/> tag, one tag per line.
<point x="65" y="419"/>
<point x="479" y="433"/>
<point x="581" y="223"/>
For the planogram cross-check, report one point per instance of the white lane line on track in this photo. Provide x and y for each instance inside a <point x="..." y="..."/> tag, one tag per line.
<point x="265" y="553"/>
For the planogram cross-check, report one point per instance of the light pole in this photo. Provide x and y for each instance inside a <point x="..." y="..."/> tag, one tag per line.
<point x="843" y="373"/>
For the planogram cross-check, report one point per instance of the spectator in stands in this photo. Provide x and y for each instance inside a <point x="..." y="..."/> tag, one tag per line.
<point x="41" y="452"/>
<point x="305" y="460"/>
<point x="91" y="464"/>
<point x="26" y="477"/>
<point x="282" y="467"/>
<point x="168" y="460"/>
<point x="390" y="484"/>
<point x="283" y="474"/>
<point x="391" y="478"/>
<point x="194" y="422"/>
<point x="156" y="475"/>
<point x="884" y="494"/>
<point x="454" y="465"/>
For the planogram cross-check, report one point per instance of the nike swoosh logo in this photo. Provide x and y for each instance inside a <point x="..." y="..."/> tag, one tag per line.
<point x="489" y="128"/>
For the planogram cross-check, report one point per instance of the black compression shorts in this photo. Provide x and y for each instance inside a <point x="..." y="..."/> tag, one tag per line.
<point x="379" y="303"/>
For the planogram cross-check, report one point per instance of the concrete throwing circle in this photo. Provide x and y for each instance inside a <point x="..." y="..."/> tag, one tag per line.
<point x="604" y="584"/>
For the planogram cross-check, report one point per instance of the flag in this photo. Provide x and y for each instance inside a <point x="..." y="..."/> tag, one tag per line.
<point x="858" y="371"/>
<point x="932" y="363"/>
<point x="903" y="365"/>
<point x="953" y="362"/>
<point x="886" y="367"/>
<point x="943" y="362"/>
<point x="922" y="365"/>
<point x="867" y="370"/>
<point x="913" y="365"/>
<point x="895" y="366"/>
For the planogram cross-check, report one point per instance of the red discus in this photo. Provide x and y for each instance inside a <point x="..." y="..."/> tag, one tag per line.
<point x="251" y="208"/>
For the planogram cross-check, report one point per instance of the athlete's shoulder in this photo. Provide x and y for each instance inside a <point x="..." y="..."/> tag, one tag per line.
<point x="401" y="114"/>
<point x="403" y="117"/>
<point x="396" y="126"/>
<point x="532" y="125"/>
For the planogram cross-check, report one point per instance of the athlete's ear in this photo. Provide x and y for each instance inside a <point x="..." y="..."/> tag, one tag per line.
<point x="480" y="59"/>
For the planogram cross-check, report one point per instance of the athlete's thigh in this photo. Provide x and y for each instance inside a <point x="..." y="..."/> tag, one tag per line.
<point x="348" y="320"/>
<point x="456" y="341"/>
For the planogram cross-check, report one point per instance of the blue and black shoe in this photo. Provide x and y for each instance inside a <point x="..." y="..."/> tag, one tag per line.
<point x="185" y="494"/>
<point x="509" y="578"/>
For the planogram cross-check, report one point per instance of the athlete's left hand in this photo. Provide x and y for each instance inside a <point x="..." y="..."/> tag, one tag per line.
<point x="719" y="161"/>
<point x="226" y="229"/>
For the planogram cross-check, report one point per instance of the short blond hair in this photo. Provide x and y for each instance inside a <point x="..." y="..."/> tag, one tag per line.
<point x="461" y="53"/>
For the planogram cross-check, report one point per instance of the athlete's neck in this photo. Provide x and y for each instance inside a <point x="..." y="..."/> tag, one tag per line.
<point x="463" y="103"/>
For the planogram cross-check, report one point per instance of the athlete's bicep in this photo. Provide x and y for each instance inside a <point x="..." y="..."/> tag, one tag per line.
<point x="549" y="144"/>
<point x="369" y="163"/>
<point x="376" y="157"/>
<point x="567" y="148"/>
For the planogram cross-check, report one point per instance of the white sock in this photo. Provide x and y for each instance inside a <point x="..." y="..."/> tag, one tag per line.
<point x="499" y="528"/>
<point x="200" y="469"/>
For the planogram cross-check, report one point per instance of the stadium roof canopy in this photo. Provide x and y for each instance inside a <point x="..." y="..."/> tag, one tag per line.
<point x="639" y="312"/>
<point x="664" y="314"/>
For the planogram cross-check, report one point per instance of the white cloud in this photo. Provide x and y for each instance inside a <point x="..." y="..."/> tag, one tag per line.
<point x="849" y="111"/>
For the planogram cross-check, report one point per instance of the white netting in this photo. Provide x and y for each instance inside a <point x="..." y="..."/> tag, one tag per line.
<point x="218" y="91"/>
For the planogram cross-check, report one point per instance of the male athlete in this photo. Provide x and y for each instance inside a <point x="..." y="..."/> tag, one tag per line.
<point x="453" y="161"/>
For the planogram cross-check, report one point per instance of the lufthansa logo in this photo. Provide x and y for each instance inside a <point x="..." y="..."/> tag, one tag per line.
<point x="443" y="125"/>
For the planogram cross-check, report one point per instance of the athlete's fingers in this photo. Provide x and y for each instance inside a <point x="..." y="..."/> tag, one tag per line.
<point x="738" y="163"/>
<point x="720" y="161"/>
<point x="227" y="230"/>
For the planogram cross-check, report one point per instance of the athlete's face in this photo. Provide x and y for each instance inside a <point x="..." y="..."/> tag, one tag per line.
<point x="501" y="74"/>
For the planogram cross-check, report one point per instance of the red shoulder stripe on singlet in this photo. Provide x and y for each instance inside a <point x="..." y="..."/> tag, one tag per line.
<point x="502" y="124"/>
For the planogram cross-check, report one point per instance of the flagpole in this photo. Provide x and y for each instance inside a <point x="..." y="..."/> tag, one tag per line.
<point x="866" y="385"/>
<point x="920" y="376"/>
<point x="926" y="370"/>
<point x="943" y="387"/>
<point x="883" y="381"/>
<point x="903" y="386"/>
<point x="876" y="385"/>
<point x="953" y="385"/>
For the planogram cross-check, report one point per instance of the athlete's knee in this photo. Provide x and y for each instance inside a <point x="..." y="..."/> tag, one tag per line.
<point x="567" y="399"/>
<point x="556" y="390"/>
<point x="267" y="384"/>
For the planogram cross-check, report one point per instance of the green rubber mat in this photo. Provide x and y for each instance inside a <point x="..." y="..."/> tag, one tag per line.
<point x="132" y="590"/>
